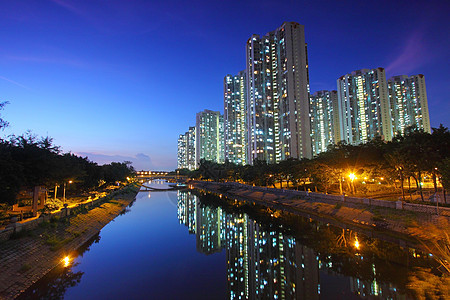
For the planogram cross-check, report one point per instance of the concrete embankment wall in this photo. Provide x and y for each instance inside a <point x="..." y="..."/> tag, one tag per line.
<point x="332" y="199"/>
<point x="6" y="233"/>
<point x="27" y="259"/>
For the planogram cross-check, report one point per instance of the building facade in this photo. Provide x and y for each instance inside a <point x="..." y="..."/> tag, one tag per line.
<point x="325" y="129"/>
<point x="209" y="137"/>
<point x="409" y="104"/>
<point x="190" y="148"/>
<point x="278" y="95"/>
<point x="364" y="108"/>
<point x="181" y="153"/>
<point x="235" y="118"/>
<point x="186" y="150"/>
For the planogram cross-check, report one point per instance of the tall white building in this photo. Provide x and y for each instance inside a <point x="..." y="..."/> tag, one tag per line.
<point x="364" y="108"/>
<point x="325" y="128"/>
<point x="181" y="154"/>
<point x="209" y="137"/>
<point x="235" y="118"/>
<point x="186" y="150"/>
<point x="278" y="95"/>
<point x="409" y="104"/>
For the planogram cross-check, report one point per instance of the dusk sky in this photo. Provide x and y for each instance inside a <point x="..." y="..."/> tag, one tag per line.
<point x="120" y="80"/>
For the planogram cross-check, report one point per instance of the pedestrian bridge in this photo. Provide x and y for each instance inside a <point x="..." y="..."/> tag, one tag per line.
<point x="172" y="187"/>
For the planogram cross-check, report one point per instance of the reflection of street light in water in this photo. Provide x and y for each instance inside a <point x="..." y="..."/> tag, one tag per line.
<point x="357" y="245"/>
<point x="66" y="261"/>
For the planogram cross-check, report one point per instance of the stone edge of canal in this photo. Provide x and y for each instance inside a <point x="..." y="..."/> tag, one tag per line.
<point x="14" y="282"/>
<point x="390" y="229"/>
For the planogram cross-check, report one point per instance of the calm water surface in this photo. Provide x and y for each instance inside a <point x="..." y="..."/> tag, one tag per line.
<point x="188" y="245"/>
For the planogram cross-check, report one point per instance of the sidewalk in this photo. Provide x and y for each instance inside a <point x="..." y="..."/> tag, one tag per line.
<point x="25" y="260"/>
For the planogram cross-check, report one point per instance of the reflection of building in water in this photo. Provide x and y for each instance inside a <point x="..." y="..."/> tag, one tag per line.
<point x="187" y="205"/>
<point x="263" y="262"/>
<point x="280" y="267"/>
<point x="368" y="289"/>
<point x="209" y="231"/>
<point x="237" y="255"/>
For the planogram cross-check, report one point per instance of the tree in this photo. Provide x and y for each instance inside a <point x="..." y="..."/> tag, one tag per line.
<point x="3" y="123"/>
<point x="444" y="169"/>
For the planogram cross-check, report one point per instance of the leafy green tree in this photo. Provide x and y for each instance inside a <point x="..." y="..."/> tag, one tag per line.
<point x="115" y="171"/>
<point x="11" y="175"/>
<point x="444" y="169"/>
<point x="3" y="123"/>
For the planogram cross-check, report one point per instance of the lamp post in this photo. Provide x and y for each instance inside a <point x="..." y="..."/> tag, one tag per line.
<point x="352" y="177"/>
<point x="64" y="191"/>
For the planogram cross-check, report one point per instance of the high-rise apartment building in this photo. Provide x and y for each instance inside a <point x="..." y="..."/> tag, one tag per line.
<point x="209" y="136"/>
<point x="324" y="120"/>
<point x="409" y="104"/>
<point x="190" y="148"/>
<point x="181" y="154"/>
<point x="235" y="118"/>
<point x="364" y="109"/>
<point x="186" y="150"/>
<point x="278" y="95"/>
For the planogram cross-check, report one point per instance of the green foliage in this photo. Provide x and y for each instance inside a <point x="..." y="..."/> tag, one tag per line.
<point x="3" y="123"/>
<point x="20" y="234"/>
<point x="56" y="242"/>
<point x="25" y="267"/>
<point x="411" y="156"/>
<point x="444" y="169"/>
<point x="426" y="285"/>
<point x="27" y="161"/>
<point x="52" y="204"/>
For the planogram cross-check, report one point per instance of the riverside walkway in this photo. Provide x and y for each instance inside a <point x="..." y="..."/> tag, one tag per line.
<point x="25" y="260"/>
<point x="393" y="216"/>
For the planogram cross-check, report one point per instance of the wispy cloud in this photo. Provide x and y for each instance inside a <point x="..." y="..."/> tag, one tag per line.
<point x="118" y="17"/>
<point x="412" y="55"/>
<point x="140" y="161"/>
<point x="48" y="60"/>
<point x="14" y="82"/>
<point x="67" y="5"/>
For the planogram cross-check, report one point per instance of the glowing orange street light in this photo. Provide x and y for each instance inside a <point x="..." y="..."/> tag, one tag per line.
<point x="357" y="245"/>
<point x="64" y="191"/>
<point x="352" y="176"/>
<point x="66" y="261"/>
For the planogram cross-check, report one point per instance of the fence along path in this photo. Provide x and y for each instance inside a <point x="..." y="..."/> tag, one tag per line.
<point x="342" y="199"/>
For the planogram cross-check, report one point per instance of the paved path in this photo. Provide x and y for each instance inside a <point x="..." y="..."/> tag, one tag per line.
<point x="387" y="219"/>
<point x="25" y="260"/>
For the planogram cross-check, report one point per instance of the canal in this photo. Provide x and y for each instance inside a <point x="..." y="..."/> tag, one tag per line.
<point x="193" y="245"/>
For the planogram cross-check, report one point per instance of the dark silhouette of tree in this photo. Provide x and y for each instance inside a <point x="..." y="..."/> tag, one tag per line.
<point x="3" y="123"/>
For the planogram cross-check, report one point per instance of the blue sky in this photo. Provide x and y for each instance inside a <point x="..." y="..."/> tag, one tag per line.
<point x="119" y="80"/>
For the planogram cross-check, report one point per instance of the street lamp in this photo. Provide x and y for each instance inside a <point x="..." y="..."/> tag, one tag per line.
<point x="357" y="244"/>
<point x="352" y="177"/>
<point x="64" y="191"/>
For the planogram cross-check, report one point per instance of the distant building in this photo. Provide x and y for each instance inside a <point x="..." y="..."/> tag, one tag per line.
<point x="209" y="137"/>
<point x="409" y="104"/>
<point x="364" y="108"/>
<point x="190" y="148"/>
<point x="278" y="95"/>
<point x="181" y="154"/>
<point x="235" y="118"/>
<point x="324" y="120"/>
<point x="186" y="150"/>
